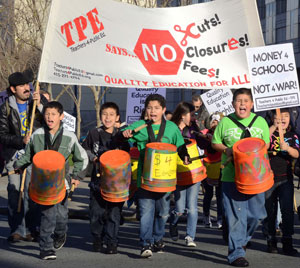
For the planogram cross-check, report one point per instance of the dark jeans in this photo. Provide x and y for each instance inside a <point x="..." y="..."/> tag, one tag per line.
<point x="104" y="218"/>
<point x="54" y="220"/>
<point x="208" y="195"/>
<point x="284" y="192"/>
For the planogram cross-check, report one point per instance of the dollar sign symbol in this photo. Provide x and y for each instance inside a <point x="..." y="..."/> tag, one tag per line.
<point x="157" y="159"/>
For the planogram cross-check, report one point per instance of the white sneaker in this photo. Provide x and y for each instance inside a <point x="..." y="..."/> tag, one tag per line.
<point x="219" y="224"/>
<point x="207" y="222"/>
<point x="190" y="242"/>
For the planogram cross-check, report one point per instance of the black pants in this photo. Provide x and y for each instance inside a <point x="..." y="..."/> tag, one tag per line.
<point x="104" y="218"/>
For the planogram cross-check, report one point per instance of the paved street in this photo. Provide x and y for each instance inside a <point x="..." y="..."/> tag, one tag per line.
<point x="211" y="251"/>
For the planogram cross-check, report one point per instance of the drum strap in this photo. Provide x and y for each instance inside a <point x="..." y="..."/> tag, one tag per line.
<point x="246" y="130"/>
<point x="160" y="132"/>
<point x="55" y="145"/>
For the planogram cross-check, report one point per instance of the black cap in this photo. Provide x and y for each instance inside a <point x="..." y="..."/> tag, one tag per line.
<point x="17" y="79"/>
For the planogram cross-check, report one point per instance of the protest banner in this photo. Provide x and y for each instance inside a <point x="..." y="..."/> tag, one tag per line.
<point x="69" y="122"/>
<point x="136" y="101"/>
<point x="218" y="100"/>
<point x="110" y="43"/>
<point x="274" y="77"/>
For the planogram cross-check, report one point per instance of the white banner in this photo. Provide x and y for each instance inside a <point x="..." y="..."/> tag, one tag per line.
<point x="218" y="100"/>
<point x="110" y="43"/>
<point x="136" y="101"/>
<point x="274" y="77"/>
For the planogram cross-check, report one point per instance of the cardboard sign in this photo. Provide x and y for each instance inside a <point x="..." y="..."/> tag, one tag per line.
<point x="115" y="44"/>
<point x="69" y="122"/>
<point x="136" y="101"/>
<point x="218" y="100"/>
<point x="274" y="77"/>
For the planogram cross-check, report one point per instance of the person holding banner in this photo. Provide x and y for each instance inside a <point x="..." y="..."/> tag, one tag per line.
<point x="105" y="216"/>
<point x="186" y="196"/>
<point x="285" y="152"/>
<point x="242" y="212"/>
<point x="154" y="206"/>
<point x="49" y="138"/>
<point x="15" y="115"/>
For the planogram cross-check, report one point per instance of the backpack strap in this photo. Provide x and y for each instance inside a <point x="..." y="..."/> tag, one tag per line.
<point x="160" y="132"/>
<point x="7" y="107"/>
<point x="246" y="130"/>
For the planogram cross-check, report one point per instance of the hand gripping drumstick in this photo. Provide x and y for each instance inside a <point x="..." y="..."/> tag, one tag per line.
<point x="71" y="192"/>
<point x="8" y="173"/>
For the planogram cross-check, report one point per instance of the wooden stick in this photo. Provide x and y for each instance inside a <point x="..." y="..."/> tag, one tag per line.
<point x="278" y="115"/>
<point x="37" y="89"/>
<point x="295" y="204"/>
<point x="142" y="126"/>
<point x="8" y="173"/>
<point x="229" y="159"/>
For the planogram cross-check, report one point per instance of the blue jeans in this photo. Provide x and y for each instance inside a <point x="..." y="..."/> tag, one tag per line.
<point x="104" y="218"/>
<point x="25" y="221"/>
<point x="154" y="212"/>
<point x="54" y="220"/>
<point x="243" y="214"/>
<point x="284" y="192"/>
<point x="186" y="199"/>
<point x="208" y="195"/>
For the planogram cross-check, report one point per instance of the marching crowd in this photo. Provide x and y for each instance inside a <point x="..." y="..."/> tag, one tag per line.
<point x="238" y="213"/>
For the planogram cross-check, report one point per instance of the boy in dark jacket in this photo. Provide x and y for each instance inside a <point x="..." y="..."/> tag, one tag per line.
<point x="104" y="215"/>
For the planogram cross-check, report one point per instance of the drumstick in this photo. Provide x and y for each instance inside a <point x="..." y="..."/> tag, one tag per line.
<point x="197" y="157"/>
<point x="8" y="173"/>
<point x="229" y="159"/>
<point x="148" y="122"/>
<point x="71" y="192"/>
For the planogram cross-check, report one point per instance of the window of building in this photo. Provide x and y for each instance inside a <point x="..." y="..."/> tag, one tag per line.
<point x="281" y="6"/>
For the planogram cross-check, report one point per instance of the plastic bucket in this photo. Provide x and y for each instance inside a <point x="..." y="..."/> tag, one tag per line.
<point x="160" y="164"/>
<point x="253" y="174"/>
<point x="194" y="172"/>
<point x="47" y="185"/>
<point x="115" y="175"/>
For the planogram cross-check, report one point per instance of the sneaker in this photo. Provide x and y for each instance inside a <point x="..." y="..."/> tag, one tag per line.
<point x="207" y="222"/>
<point x="98" y="245"/>
<point x="111" y="248"/>
<point x="219" y="224"/>
<point x="272" y="246"/>
<point x="240" y="262"/>
<point x="190" y="242"/>
<point x="14" y="238"/>
<point x="59" y="242"/>
<point x="174" y="232"/>
<point x="48" y="255"/>
<point x="158" y="246"/>
<point x="146" y="251"/>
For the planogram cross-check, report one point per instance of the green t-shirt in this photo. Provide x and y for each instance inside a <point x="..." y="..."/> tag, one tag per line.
<point x="171" y="135"/>
<point x="228" y="133"/>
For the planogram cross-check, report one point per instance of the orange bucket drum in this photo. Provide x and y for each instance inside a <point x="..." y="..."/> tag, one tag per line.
<point x="115" y="175"/>
<point x="134" y="154"/>
<point x="253" y="174"/>
<point x="47" y="185"/>
<point x="160" y="164"/>
<point x="194" y="172"/>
